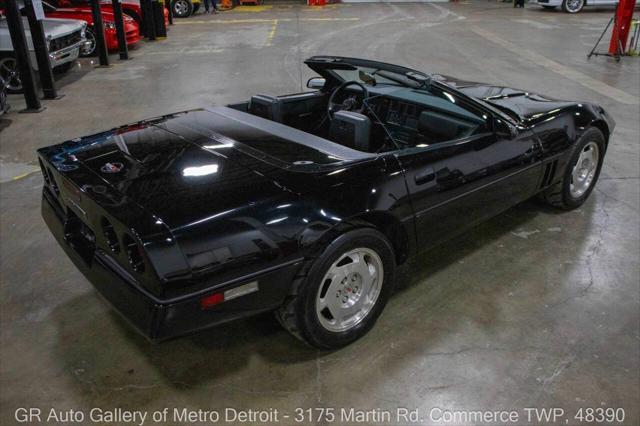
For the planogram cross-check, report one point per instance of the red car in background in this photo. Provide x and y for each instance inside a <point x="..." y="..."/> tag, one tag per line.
<point x="83" y="13"/>
<point x="129" y="7"/>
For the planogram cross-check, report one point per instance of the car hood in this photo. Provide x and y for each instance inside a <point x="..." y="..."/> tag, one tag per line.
<point x="85" y="14"/>
<point x="53" y="28"/>
<point x="526" y="107"/>
<point x="197" y="165"/>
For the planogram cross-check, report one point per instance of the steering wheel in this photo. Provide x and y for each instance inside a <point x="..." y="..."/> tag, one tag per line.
<point x="348" y="104"/>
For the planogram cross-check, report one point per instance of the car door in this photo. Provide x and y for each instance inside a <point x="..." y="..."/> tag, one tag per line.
<point x="456" y="184"/>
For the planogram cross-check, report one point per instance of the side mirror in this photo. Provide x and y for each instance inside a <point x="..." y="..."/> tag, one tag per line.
<point x="503" y="129"/>
<point x="316" y="83"/>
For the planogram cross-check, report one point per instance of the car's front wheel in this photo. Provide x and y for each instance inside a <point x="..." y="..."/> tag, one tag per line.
<point x="90" y="48"/>
<point x="572" y="6"/>
<point x="344" y="291"/>
<point x="580" y="174"/>
<point x="182" y="8"/>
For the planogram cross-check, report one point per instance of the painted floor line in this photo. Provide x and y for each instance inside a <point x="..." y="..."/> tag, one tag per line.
<point x="264" y="21"/>
<point x="21" y="176"/>
<point x="272" y="33"/>
<point x="563" y="70"/>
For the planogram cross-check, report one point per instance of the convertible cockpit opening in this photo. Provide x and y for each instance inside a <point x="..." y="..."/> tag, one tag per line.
<point x="372" y="109"/>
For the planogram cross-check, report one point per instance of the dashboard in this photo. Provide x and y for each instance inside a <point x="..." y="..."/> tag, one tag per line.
<point x="413" y="116"/>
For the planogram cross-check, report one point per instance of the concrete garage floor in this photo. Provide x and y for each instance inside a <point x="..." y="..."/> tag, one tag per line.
<point x="536" y="308"/>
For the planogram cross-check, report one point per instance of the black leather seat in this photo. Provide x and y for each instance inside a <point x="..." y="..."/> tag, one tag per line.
<point x="266" y="106"/>
<point x="352" y="130"/>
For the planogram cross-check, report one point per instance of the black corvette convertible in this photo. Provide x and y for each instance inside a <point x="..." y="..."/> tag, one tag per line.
<point x="305" y="204"/>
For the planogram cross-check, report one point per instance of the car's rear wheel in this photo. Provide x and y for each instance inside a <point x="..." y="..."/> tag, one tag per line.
<point x="182" y="8"/>
<point x="580" y="174"/>
<point x="573" y="6"/>
<point x="344" y="291"/>
<point x="10" y="74"/>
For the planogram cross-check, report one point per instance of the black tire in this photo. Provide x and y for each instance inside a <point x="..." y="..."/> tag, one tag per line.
<point x="182" y="8"/>
<point x="9" y="72"/>
<point x="573" y="6"/>
<point x="559" y="195"/>
<point x="92" y="49"/>
<point x="299" y="316"/>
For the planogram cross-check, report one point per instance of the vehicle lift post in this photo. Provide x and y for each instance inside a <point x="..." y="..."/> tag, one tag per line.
<point x="158" y="18"/>
<point x="149" y="21"/>
<point x="19" y="42"/>
<point x="123" y="50"/>
<point x="98" y="33"/>
<point x="42" y="52"/>
<point x="621" y="21"/>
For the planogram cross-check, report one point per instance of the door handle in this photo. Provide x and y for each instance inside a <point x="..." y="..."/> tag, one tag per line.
<point x="425" y="176"/>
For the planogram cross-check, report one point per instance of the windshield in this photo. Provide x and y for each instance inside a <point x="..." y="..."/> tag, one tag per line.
<point x="366" y="74"/>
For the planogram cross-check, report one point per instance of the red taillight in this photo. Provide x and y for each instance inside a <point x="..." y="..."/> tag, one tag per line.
<point x="211" y="300"/>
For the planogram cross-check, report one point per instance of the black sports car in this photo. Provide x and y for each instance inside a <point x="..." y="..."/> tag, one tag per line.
<point x="305" y="204"/>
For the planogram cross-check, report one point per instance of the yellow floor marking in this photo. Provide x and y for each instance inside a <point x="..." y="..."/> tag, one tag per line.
<point x="252" y="9"/>
<point x="261" y="21"/>
<point x="329" y="19"/>
<point x="24" y="175"/>
<point x="272" y="33"/>
<point x="563" y="70"/>
<point x="229" y="21"/>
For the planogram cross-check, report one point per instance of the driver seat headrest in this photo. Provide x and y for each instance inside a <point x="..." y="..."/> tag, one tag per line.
<point x="351" y="129"/>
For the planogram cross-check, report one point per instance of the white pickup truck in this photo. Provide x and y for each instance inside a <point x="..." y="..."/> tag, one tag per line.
<point x="65" y="38"/>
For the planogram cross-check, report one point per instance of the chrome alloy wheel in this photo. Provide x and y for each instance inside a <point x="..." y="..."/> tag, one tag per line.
<point x="181" y="7"/>
<point x="349" y="290"/>
<point x="90" y="48"/>
<point x="574" y="6"/>
<point x="9" y="73"/>
<point x="584" y="170"/>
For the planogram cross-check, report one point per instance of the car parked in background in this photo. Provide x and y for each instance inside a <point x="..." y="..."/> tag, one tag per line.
<point x="129" y="7"/>
<point x="131" y="28"/>
<point x="573" y="6"/>
<point x="184" y="8"/>
<point x="66" y="38"/>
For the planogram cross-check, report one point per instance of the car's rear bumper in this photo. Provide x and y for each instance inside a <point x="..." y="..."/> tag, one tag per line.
<point x="159" y="319"/>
